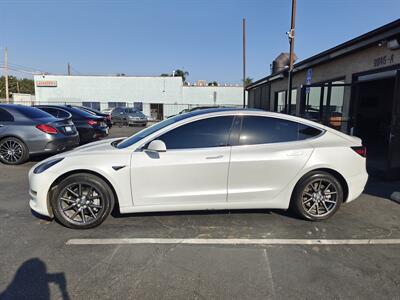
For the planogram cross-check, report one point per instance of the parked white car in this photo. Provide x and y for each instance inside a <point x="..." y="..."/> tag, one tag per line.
<point x="208" y="159"/>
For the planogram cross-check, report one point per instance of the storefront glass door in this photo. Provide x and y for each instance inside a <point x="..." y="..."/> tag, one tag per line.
<point x="394" y="141"/>
<point x="323" y="103"/>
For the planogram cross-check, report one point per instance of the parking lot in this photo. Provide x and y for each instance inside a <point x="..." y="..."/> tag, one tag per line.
<point x="40" y="260"/>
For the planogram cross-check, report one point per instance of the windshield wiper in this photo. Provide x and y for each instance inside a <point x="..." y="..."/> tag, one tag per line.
<point x="115" y="143"/>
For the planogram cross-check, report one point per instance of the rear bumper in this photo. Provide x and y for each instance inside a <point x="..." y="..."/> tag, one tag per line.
<point x="90" y="134"/>
<point x="356" y="185"/>
<point x="54" y="144"/>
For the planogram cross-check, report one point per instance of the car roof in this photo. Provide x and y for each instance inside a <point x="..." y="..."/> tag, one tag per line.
<point x="70" y="109"/>
<point x="251" y="111"/>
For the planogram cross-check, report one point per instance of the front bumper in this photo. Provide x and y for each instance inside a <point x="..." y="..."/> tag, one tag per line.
<point x="39" y="186"/>
<point x="137" y="122"/>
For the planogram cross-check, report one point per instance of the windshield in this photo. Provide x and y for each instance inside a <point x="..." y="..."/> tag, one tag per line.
<point x="149" y="130"/>
<point x="131" y="110"/>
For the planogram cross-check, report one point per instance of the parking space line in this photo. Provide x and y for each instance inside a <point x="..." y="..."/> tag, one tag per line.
<point x="189" y="241"/>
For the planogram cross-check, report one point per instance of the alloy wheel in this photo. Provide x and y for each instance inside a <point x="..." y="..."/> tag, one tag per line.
<point x="11" y="151"/>
<point x="319" y="197"/>
<point x="81" y="203"/>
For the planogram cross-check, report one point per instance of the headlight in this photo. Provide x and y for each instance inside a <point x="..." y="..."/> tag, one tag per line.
<point x="44" y="166"/>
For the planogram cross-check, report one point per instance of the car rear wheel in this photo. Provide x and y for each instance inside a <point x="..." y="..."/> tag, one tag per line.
<point x="317" y="196"/>
<point x="82" y="201"/>
<point x="13" y="151"/>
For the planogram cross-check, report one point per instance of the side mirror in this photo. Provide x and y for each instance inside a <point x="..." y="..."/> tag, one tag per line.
<point x="157" y="146"/>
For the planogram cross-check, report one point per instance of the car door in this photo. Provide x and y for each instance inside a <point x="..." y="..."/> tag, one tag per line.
<point x="193" y="170"/>
<point x="268" y="154"/>
<point x="115" y="115"/>
<point x="6" y="120"/>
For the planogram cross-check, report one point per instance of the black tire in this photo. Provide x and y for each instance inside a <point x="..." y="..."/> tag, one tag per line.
<point x="19" y="151"/>
<point x="317" y="196"/>
<point x="82" y="201"/>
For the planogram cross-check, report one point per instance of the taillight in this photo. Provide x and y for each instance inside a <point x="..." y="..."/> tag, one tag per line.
<point x="92" y="122"/>
<point x="361" y="150"/>
<point x="47" y="128"/>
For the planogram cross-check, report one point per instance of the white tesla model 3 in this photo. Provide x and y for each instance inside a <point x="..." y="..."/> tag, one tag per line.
<point x="208" y="159"/>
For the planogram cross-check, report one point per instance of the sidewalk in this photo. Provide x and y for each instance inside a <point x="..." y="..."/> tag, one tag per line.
<point x="384" y="189"/>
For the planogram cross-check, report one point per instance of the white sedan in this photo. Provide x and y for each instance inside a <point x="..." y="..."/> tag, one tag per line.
<point x="208" y="159"/>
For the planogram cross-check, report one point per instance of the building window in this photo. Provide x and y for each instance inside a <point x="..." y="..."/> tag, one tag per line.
<point x="293" y="102"/>
<point x="95" y="105"/>
<point x="138" y="105"/>
<point x="280" y="102"/>
<point x="116" y="104"/>
<point x="312" y="109"/>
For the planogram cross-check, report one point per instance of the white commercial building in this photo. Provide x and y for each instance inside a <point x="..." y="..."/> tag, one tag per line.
<point x="158" y="97"/>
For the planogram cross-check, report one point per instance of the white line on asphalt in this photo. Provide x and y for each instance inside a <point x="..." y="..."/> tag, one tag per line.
<point x="188" y="241"/>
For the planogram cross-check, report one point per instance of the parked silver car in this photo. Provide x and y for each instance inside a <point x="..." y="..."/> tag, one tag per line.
<point x="26" y="131"/>
<point x="128" y="116"/>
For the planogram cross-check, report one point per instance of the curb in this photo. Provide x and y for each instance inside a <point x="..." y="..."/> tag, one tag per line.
<point x="395" y="197"/>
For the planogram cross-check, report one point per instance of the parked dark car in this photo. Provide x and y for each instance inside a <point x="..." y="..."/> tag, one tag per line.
<point x="96" y="112"/>
<point x="186" y="110"/>
<point x="128" y="116"/>
<point x="26" y="131"/>
<point x="89" y="126"/>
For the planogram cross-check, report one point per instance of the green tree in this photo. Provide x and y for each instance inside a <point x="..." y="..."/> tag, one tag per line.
<point x="213" y="83"/>
<point x="25" y="86"/>
<point x="247" y="81"/>
<point x="181" y="73"/>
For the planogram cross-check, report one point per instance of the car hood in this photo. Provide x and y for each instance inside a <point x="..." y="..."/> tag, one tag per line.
<point x="96" y="146"/>
<point x="92" y="148"/>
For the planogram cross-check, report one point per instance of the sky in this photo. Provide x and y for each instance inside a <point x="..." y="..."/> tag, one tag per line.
<point x="203" y="37"/>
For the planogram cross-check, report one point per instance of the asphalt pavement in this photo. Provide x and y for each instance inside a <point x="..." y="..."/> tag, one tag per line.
<point x="37" y="262"/>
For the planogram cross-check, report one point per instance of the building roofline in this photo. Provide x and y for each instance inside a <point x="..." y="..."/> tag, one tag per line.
<point x="357" y="43"/>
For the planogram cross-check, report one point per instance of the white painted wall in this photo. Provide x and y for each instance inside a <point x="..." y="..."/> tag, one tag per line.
<point x="110" y="88"/>
<point x="169" y="91"/>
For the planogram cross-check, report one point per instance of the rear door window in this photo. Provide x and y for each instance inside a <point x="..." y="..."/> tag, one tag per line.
<point x="265" y="130"/>
<point x="5" y="116"/>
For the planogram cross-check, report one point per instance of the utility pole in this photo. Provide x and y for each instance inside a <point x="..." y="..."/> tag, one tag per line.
<point x="244" y="63"/>
<point x="69" y="69"/>
<point x="291" y="57"/>
<point x="17" y="86"/>
<point x="6" y="73"/>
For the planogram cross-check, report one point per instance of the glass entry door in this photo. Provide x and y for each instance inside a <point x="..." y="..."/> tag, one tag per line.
<point x="394" y="140"/>
<point x="323" y="103"/>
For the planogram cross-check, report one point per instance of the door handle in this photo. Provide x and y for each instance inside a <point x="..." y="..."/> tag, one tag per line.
<point x="214" y="157"/>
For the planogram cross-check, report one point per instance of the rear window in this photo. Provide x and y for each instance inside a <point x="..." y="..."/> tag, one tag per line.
<point x="265" y="130"/>
<point x="32" y="112"/>
<point x="76" y="112"/>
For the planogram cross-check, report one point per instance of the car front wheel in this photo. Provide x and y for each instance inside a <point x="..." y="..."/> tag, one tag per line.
<point x="317" y="196"/>
<point x="82" y="201"/>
